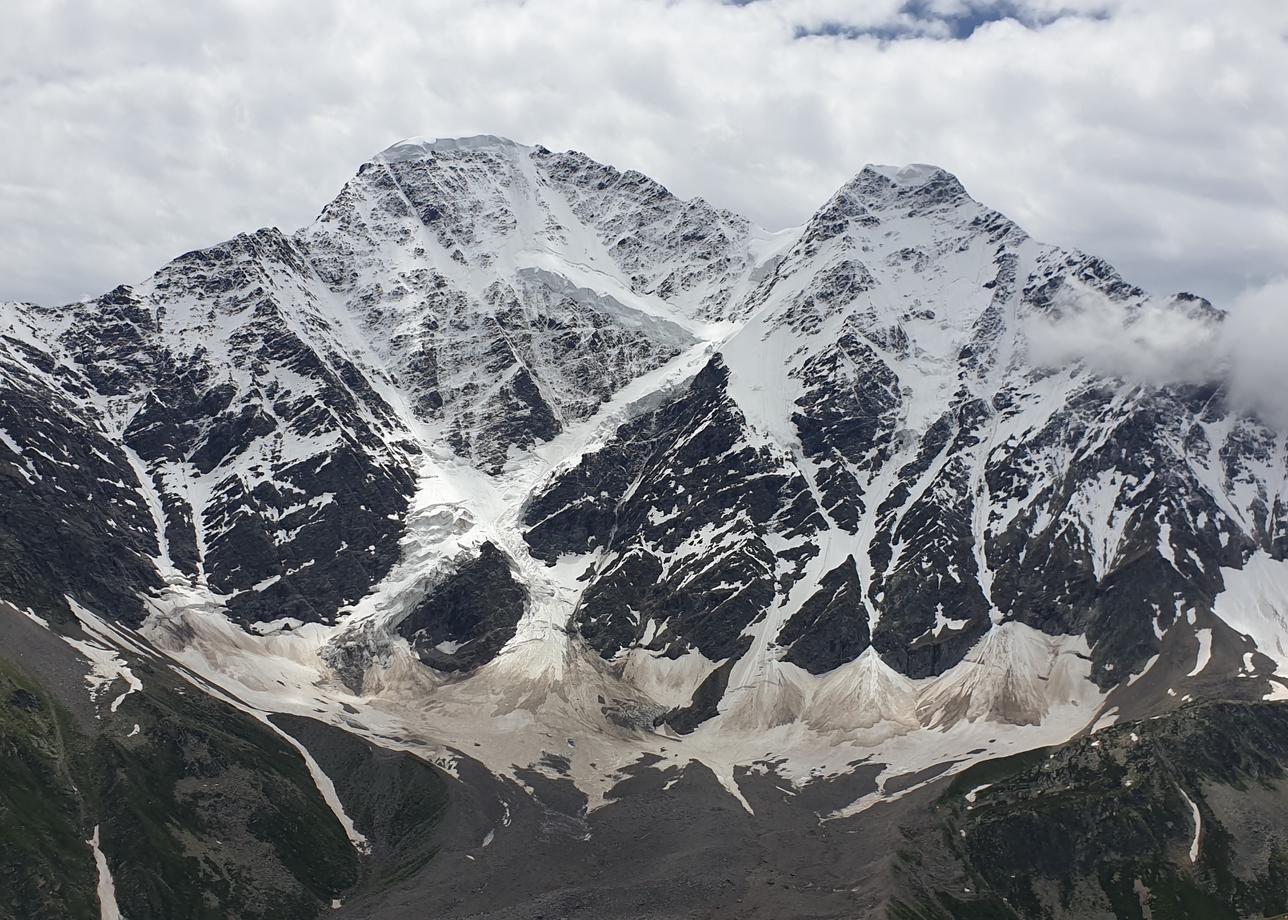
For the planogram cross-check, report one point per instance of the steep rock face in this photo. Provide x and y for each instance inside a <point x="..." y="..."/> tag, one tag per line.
<point x="846" y="417"/>
<point x="892" y="374"/>
<point x="281" y="471"/>
<point x="688" y="253"/>
<point x="73" y="524"/>
<point x="468" y="263"/>
<point x="464" y="621"/>
<point x="831" y="627"/>
<point x="973" y="485"/>
<point x="706" y="529"/>
<point x="1127" y="541"/>
<point x="274" y="390"/>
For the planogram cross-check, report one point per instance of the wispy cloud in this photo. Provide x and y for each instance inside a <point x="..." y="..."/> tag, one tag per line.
<point x="954" y="20"/>
<point x="1255" y="341"/>
<point x="1175" y="341"/>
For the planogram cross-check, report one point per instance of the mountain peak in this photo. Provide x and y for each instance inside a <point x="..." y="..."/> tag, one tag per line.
<point x="916" y="182"/>
<point x="911" y="176"/>
<point x="415" y="147"/>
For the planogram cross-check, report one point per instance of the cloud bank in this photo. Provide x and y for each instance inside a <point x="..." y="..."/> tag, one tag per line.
<point x="1255" y="342"/>
<point x="1165" y="342"/>
<point x="1147" y="132"/>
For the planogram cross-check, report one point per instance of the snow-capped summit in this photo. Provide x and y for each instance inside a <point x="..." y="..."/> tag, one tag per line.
<point x="412" y="147"/>
<point x="913" y="175"/>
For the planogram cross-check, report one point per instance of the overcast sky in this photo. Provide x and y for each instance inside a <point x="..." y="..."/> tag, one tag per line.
<point x="1151" y="132"/>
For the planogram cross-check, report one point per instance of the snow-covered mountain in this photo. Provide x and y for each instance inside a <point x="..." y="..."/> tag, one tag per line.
<point x="514" y="453"/>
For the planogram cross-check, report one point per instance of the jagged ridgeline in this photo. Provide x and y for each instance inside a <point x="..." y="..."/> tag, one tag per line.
<point x="444" y="550"/>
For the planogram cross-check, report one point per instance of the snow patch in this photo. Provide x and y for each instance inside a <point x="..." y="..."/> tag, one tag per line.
<point x="106" y="886"/>
<point x="152" y="498"/>
<point x="327" y="788"/>
<point x="1198" y="826"/>
<point x="1255" y="603"/>
<point x="1204" y="655"/>
<point x="101" y="650"/>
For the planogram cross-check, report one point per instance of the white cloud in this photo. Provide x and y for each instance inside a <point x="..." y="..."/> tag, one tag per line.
<point x="1256" y="340"/>
<point x="1161" y="342"/>
<point x="1153" y="136"/>
<point x="1158" y="342"/>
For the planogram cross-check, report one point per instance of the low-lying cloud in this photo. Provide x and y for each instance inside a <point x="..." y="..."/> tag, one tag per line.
<point x="1254" y="341"/>
<point x="1164" y="342"/>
